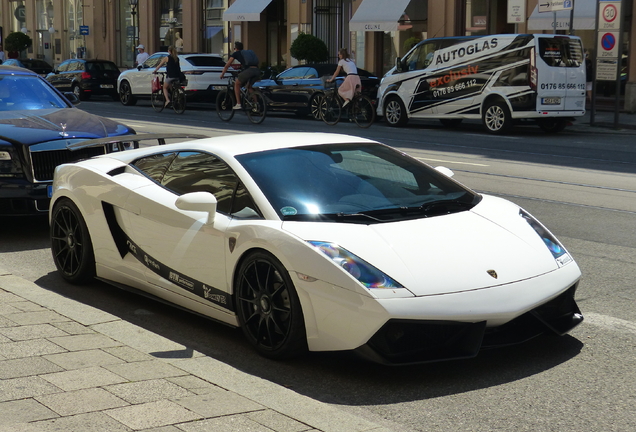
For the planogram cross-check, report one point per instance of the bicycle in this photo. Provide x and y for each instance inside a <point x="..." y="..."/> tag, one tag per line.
<point x="253" y="102"/>
<point x="177" y="95"/>
<point x="360" y="108"/>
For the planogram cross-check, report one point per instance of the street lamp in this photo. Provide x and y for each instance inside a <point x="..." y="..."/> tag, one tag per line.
<point x="133" y="12"/>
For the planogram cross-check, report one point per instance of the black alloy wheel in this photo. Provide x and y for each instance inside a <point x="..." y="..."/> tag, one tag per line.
<point x="268" y="307"/>
<point x="125" y="94"/>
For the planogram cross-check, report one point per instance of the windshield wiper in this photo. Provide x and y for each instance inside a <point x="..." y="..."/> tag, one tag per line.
<point x="427" y="207"/>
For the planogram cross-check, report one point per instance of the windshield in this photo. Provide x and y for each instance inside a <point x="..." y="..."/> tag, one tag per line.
<point x="27" y="92"/>
<point x="363" y="183"/>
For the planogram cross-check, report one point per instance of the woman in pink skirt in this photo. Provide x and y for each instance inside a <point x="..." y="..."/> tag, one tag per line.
<point x="348" y="87"/>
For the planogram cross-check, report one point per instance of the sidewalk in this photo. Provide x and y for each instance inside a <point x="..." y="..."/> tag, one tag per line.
<point x="66" y="366"/>
<point x="604" y="120"/>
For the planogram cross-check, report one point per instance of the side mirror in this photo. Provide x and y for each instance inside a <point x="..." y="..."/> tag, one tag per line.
<point x="139" y="67"/>
<point x="446" y="171"/>
<point x="398" y="64"/>
<point x="198" y="201"/>
<point x="72" y="97"/>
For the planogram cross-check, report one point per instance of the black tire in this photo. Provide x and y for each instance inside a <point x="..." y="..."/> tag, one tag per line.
<point x="330" y="109"/>
<point x="552" y="125"/>
<point x="268" y="307"/>
<point x="450" y="123"/>
<point x="363" y="111"/>
<point x="77" y="91"/>
<point x="314" y="106"/>
<point x="71" y="243"/>
<point x="157" y="100"/>
<point x="125" y="94"/>
<point x="395" y="112"/>
<point x="225" y="105"/>
<point x="496" y="117"/>
<point x="257" y="109"/>
<point x="178" y="100"/>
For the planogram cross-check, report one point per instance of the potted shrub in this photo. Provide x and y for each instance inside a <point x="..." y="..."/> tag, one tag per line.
<point x="309" y="48"/>
<point x="16" y="42"/>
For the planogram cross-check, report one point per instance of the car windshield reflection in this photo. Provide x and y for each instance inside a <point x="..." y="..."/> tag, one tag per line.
<point x="353" y="183"/>
<point x="27" y="92"/>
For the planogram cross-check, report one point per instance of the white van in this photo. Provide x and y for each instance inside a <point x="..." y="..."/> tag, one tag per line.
<point x="500" y="79"/>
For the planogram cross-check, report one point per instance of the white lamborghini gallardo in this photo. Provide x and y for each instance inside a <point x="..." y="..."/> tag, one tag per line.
<point x="316" y="242"/>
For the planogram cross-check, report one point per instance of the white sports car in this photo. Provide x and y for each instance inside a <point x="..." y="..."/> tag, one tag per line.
<point x="315" y="241"/>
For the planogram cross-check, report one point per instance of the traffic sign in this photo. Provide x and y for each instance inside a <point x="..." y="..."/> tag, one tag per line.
<point x="608" y="45"/>
<point x="84" y="30"/>
<point x="554" y="5"/>
<point x="609" y="16"/>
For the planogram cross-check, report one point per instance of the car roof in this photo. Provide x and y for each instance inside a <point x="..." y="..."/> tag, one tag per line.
<point x="7" y="70"/>
<point x="230" y="146"/>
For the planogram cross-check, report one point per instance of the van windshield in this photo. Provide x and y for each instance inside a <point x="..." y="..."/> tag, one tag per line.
<point x="561" y="51"/>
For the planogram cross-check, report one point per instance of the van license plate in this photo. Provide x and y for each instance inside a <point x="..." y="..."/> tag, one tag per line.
<point x="551" y="101"/>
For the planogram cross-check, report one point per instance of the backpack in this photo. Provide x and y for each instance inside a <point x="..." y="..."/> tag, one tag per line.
<point x="250" y="58"/>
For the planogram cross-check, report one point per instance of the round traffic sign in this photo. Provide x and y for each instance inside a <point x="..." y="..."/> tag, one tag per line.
<point x="608" y="41"/>
<point x="609" y="13"/>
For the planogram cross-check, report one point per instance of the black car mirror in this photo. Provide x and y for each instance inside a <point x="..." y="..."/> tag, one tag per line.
<point x="398" y="64"/>
<point x="72" y="97"/>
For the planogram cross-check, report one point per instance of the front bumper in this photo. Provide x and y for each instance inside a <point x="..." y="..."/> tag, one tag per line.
<point x="21" y="198"/>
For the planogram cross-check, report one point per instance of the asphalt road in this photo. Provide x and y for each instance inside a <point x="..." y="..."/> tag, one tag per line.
<point x="581" y="185"/>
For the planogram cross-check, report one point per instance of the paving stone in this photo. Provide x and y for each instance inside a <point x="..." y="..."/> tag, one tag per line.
<point x="27" y="306"/>
<point x="225" y="424"/>
<point x="42" y="317"/>
<point x="219" y="403"/>
<point x="90" y="422"/>
<point x="146" y="370"/>
<point x="128" y="354"/>
<point x="152" y="415"/>
<point x="7" y="297"/>
<point x="29" y="348"/>
<point x="81" y="401"/>
<point x="23" y="411"/>
<point x="163" y="429"/>
<point x="26" y="387"/>
<point x="83" y="378"/>
<point x="6" y="308"/>
<point x="34" y="331"/>
<point x="84" y="342"/>
<point x="83" y="359"/>
<point x="73" y="328"/>
<point x="278" y="422"/>
<point x="29" y="366"/>
<point x="194" y="384"/>
<point x="4" y="339"/>
<point x="6" y="322"/>
<point x="147" y="391"/>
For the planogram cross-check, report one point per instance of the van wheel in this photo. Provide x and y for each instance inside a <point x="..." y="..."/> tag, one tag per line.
<point x="395" y="112"/>
<point x="552" y="125"/>
<point x="450" y="123"/>
<point x="496" y="117"/>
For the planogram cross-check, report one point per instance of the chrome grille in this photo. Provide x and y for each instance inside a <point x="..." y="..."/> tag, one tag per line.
<point x="44" y="162"/>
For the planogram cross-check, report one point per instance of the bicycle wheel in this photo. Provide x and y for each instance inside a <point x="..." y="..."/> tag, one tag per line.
<point x="256" y="107"/>
<point x="225" y="105"/>
<point x="363" y="111"/>
<point x="157" y="100"/>
<point x="178" y="100"/>
<point x="330" y="109"/>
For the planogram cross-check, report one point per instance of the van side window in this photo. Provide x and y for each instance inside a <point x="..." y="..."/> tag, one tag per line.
<point x="420" y="58"/>
<point x="561" y="52"/>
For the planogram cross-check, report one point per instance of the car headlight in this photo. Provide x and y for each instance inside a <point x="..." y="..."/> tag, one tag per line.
<point x="365" y="273"/>
<point x="554" y="246"/>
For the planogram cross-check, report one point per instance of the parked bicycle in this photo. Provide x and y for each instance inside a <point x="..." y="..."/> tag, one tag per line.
<point x="177" y="95"/>
<point x="360" y="109"/>
<point x="252" y="102"/>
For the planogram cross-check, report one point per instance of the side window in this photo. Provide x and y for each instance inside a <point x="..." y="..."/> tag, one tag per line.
<point x="202" y="172"/>
<point x="293" y="73"/>
<point x="311" y="73"/>
<point x="153" y="60"/>
<point x="63" y="66"/>
<point x="421" y="57"/>
<point x="155" y="166"/>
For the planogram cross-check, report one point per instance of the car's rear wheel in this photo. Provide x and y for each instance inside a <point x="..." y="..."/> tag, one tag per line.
<point x="77" y="91"/>
<point x="71" y="243"/>
<point x="268" y="307"/>
<point x="496" y="117"/>
<point x="314" y="106"/>
<point x="125" y="94"/>
<point x="395" y="112"/>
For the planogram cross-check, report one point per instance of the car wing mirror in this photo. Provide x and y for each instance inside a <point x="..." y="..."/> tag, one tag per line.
<point x="198" y="201"/>
<point x="446" y="171"/>
<point x="398" y="64"/>
<point x="72" y="97"/>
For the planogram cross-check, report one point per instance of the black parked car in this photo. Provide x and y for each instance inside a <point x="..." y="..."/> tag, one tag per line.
<point x="86" y="78"/>
<point x="38" y="129"/>
<point x="300" y="88"/>
<point x="40" y="67"/>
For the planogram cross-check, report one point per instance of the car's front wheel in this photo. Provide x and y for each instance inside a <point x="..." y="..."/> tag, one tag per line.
<point x="314" y="106"/>
<point x="125" y="94"/>
<point x="395" y="112"/>
<point x="268" y="307"/>
<point x="71" y="243"/>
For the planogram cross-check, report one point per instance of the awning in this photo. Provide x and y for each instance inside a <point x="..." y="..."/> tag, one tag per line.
<point x="245" y="10"/>
<point x="378" y="15"/>
<point x="584" y="17"/>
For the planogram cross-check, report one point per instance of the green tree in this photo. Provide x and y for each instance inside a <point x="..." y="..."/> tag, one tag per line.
<point x="17" y="42"/>
<point x="410" y="43"/>
<point x="309" y="48"/>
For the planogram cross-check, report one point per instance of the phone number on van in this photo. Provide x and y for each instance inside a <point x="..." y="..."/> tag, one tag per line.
<point x="452" y="89"/>
<point x="561" y="86"/>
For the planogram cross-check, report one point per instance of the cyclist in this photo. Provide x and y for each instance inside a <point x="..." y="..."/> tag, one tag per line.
<point x="249" y="66"/>
<point x="173" y="71"/>
<point x="348" y="87"/>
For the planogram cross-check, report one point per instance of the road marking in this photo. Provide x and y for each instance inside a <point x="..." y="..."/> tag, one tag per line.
<point x="453" y="162"/>
<point x="610" y="323"/>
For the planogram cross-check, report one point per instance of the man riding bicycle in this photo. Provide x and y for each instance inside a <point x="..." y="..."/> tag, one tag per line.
<point x="250" y="71"/>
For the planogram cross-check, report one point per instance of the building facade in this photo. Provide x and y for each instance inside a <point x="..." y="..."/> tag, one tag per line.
<point x="374" y="31"/>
